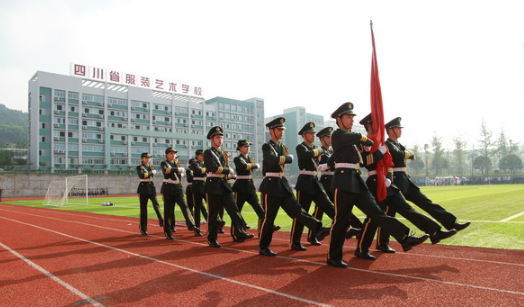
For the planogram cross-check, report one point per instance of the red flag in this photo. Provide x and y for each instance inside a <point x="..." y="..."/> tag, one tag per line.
<point x="377" y="115"/>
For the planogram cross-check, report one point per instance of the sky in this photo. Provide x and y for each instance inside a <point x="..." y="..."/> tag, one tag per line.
<point x="445" y="67"/>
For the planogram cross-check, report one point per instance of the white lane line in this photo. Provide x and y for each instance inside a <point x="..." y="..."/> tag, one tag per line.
<point x="74" y="290"/>
<point x="513" y="217"/>
<point x="289" y="296"/>
<point x="287" y="259"/>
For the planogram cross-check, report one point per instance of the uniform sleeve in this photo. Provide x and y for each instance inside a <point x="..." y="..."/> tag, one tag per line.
<point x="142" y="172"/>
<point x="305" y="153"/>
<point x="166" y="168"/>
<point x="212" y="164"/>
<point x="270" y="156"/>
<point x="197" y="169"/>
<point x="370" y="158"/>
<point x="348" y="139"/>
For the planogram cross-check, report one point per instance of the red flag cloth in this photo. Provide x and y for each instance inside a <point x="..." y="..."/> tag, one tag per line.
<point x="377" y="115"/>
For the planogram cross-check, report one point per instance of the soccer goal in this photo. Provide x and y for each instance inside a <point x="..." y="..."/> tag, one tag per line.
<point x="72" y="191"/>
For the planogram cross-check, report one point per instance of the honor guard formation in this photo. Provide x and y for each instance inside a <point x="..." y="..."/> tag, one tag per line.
<point x="329" y="176"/>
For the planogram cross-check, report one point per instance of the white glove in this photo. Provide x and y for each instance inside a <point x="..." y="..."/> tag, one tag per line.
<point x="382" y="149"/>
<point x="258" y="165"/>
<point x="231" y="172"/>
<point x="291" y="156"/>
<point x="181" y="170"/>
<point x="154" y="172"/>
<point x="322" y="167"/>
<point x="388" y="182"/>
<point x="367" y="148"/>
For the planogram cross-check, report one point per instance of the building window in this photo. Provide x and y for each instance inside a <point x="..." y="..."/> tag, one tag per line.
<point x="72" y="95"/>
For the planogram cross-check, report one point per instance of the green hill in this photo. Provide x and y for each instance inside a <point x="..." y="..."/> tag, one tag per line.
<point x="14" y="125"/>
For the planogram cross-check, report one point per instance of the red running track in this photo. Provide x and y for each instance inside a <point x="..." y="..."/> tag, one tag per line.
<point x="62" y="258"/>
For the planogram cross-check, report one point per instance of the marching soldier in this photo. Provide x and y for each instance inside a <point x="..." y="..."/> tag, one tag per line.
<point x="244" y="187"/>
<point x="394" y="200"/>
<point x="173" y="192"/>
<point x="410" y="191"/>
<point x="350" y="189"/>
<point x="146" y="190"/>
<point x="189" y="187"/>
<point x="326" y="176"/>
<point x="199" y="179"/>
<point x="276" y="191"/>
<point x="308" y="186"/>
<point x="219" y="193"/>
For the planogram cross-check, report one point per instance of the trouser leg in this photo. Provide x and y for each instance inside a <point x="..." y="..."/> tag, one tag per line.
<point x="271" y="204"/>
<point x="143" y="198"/>
<point x="343" y="205"/>
<point x="213" y="206"/>
<point x="169" y="220"/>
<point x="156" y="206"/>
<point x="190" y="222"/>
<point x="444" y="217"/>
<point x="297" y="228"/>
<point x="238" y="227"/>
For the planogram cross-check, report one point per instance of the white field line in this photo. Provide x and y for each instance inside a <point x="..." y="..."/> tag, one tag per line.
<point x="513" y="217"/>
<point x="74" y="290"/>
<point x="287" y="259"/>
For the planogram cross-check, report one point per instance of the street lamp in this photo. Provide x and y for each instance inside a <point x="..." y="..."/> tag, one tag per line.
<point x="426" y="155"/>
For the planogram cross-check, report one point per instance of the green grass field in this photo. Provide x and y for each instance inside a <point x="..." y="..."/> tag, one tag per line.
<point x="494" y="211"/>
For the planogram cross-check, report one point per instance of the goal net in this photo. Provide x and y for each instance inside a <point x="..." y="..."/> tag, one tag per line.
<point x="72" y="191"/>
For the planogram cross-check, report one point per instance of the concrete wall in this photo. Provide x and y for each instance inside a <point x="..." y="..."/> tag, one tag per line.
<point x="35" y="185"/>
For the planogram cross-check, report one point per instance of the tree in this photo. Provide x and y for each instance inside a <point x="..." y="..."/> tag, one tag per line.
<point x="502" y="145"/>
<point x="459" y="155"/>
<point x="6" y="157"/>
<point x="510" y="163"/>
<point x="486" y="145"/>
<point x="481" y="163"/>
<point x="417" y="164"/>
<point x="438" y="154"/>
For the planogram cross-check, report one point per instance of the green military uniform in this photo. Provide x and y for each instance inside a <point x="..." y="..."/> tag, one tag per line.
<point x="146" y="191"/>
<point x="189" y="187"/>
<point x="198" y="185"/>
<point x="394" y="201"/>
<point x="276" y="192"/>
<point x="309" y="189"/>
<point x="219" y="193"/>
<point x="411" y="191"/>
<point x="244" y="187"/>
<point x="350" y="189"/>
<point x="173" y="192"/>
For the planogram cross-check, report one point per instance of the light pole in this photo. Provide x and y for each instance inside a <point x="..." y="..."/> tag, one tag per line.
<point x="426" y="155"/>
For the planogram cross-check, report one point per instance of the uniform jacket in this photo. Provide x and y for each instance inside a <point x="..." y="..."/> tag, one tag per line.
<point x="275" y="156"/>
<point x="199" y="171"/>
<point x="244" y="166"/>
<point x="189" y="178"/>
<point x="346" y="149"/>
<point x="217" y="163"/>
<point x="170" y="171"/>
<point x="400" y="155"/>
<point x="370" y="160"/>
<point x="145" y="172"/>
<point x="325" y="159"/>
<point x="308" y="160"/>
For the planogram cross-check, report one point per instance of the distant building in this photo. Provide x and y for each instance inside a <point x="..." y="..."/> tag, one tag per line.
<point x="296" y="118"/>
<point x="103" y="120"/>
